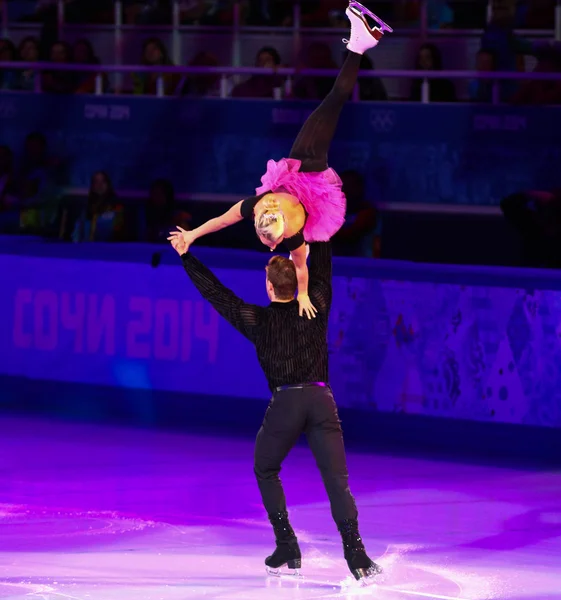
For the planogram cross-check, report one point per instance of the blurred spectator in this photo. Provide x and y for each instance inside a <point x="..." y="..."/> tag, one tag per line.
<point x="59" y="82"/>
<point x="103" y="219"/>
<point x="357" y="236"/>
<point x="75" y="11"/>
<point x="84" y="55"/>
<point x="37" y="185"/>
<point x="429" y="58"/>
<point x="542" y="92"/>
<point x="318" y="56"/>
<point x="161" y="213"/>
<point x="536" y="215"/>
<point x="507" y="48"/>
<point x="276" y="12"/>
<point x="8" y="198"/>
<point x="202" y="85"/>
<point x="540" y="14"/>
<point x="470" y="14"/>
<point x="439" y="13"/>
<point x="8" y="77"/>
<point x="9" y="208"/>
<point x="321" y="13"/>
<point x="206" y="12"/>
<point x="154" y="53"/>
<point x="262" y="86"/>
<point x="151" y="12"/>
<point x="28" y="52"/>
<point x="481" y="90"/>
<point x="259" y="12"/>
<point x="370" y="88"/>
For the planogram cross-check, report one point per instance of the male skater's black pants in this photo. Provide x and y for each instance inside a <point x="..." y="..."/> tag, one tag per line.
<point x="311" y="410"/>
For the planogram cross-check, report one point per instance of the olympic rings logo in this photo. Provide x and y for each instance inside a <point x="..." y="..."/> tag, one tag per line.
<point x="382" y="121"/>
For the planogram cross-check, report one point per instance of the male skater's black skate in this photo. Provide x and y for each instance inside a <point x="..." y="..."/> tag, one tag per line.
<point x="360" y="565"/>
<point x="287" y="551"/>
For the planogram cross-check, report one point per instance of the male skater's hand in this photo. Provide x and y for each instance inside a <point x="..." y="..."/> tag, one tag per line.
<point x="187" y="238"/>
<point x="179" y="244"/>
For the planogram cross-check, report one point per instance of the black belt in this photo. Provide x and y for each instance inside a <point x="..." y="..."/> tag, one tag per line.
<point x="299" y="386"/>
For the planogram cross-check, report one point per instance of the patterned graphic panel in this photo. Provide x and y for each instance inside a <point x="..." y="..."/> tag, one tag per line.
<point x="470" y="352"/>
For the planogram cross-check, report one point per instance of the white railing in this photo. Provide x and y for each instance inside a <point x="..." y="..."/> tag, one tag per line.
<point x="423" y="31"/>
<point x="225" y="72"/>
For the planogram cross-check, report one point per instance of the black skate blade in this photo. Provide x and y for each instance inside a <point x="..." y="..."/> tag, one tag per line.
<point x="366" y="577"/>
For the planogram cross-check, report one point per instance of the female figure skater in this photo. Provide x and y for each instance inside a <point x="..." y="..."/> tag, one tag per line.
<point x="300" y="199"/>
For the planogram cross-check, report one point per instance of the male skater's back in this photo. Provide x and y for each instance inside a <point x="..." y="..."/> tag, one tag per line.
<point x="293" y="354"/>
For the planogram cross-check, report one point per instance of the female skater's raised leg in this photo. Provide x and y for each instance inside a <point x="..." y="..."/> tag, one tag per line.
<point x="312" y="144"/>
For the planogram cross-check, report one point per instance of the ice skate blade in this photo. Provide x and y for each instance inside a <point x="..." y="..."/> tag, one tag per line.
<point x="367" y="576"/>
<point x="292" y="573"/>
<point x="363" y="10"/>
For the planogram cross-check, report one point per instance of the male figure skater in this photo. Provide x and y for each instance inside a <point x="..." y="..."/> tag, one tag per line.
<point x="292" y="352"/>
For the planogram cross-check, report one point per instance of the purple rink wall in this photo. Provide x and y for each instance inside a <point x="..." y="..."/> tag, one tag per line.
<point x="464" y="358"/>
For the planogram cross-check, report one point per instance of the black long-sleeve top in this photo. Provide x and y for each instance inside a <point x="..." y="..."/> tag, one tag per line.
<point x="291" y="349"/>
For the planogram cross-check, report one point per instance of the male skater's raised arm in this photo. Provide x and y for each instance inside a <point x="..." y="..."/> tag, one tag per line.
<point x="243" y="316"/>
<point x="320" y="273"/>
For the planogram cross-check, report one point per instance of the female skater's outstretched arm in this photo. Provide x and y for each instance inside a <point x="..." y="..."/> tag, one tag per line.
<point x="299" y="256"/>
<point x="230" y="217"/>
<point x="271" y="226"/>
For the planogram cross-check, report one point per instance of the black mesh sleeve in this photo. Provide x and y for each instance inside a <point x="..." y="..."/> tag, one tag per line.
<point x="243" y="316"/>
<point x="320" y="271"/>
<point x="248" y="206"/>
<point x="294" y="241"/>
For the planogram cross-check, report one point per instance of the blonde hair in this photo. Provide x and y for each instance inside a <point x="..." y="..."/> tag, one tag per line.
<point x="270" y="221"/>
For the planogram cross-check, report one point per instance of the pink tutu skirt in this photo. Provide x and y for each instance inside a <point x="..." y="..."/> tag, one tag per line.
<point x="320" y="195"/>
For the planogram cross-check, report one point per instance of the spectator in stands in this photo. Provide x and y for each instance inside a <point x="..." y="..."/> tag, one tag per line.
<point x="262" y="86"/>
<point x="536" y="215"/>
<point x="275" y="12"/>
<point x="28" y="51"/>
<point x="75" y="11"/>
<point x="59" y="82"/>
<point x="481" y="90"/>
<point x="439" y="14"/>
<point x="9" y="205"/>
<point x="429" y="58"/>
<point x="318" y="56"/>
<point x="371" y="88"/>
<point x="357" y="236"/>
<point x="161" y="213"/>
<point x="542" y="92"/>
<point x="322" y="13"/>
<point x="206" y="12"/>
<point x="154" y="12"/>
<point x="8" y="198"/>
<point x="84" y="55"/>
<point x="8" y="77"/>
<point x="472" y="14"/>
<point x="508" y="48"/>
<point x="37" y="184"/>
<point x="103" y="219"/>
<point x="258" y="12"/>
<point x="201" y="85"/>
<point x="154" y="53"/>
<point x="540" y="14"/>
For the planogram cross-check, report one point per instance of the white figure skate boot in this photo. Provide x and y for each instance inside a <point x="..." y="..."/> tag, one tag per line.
<point x="363" y="37"/>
